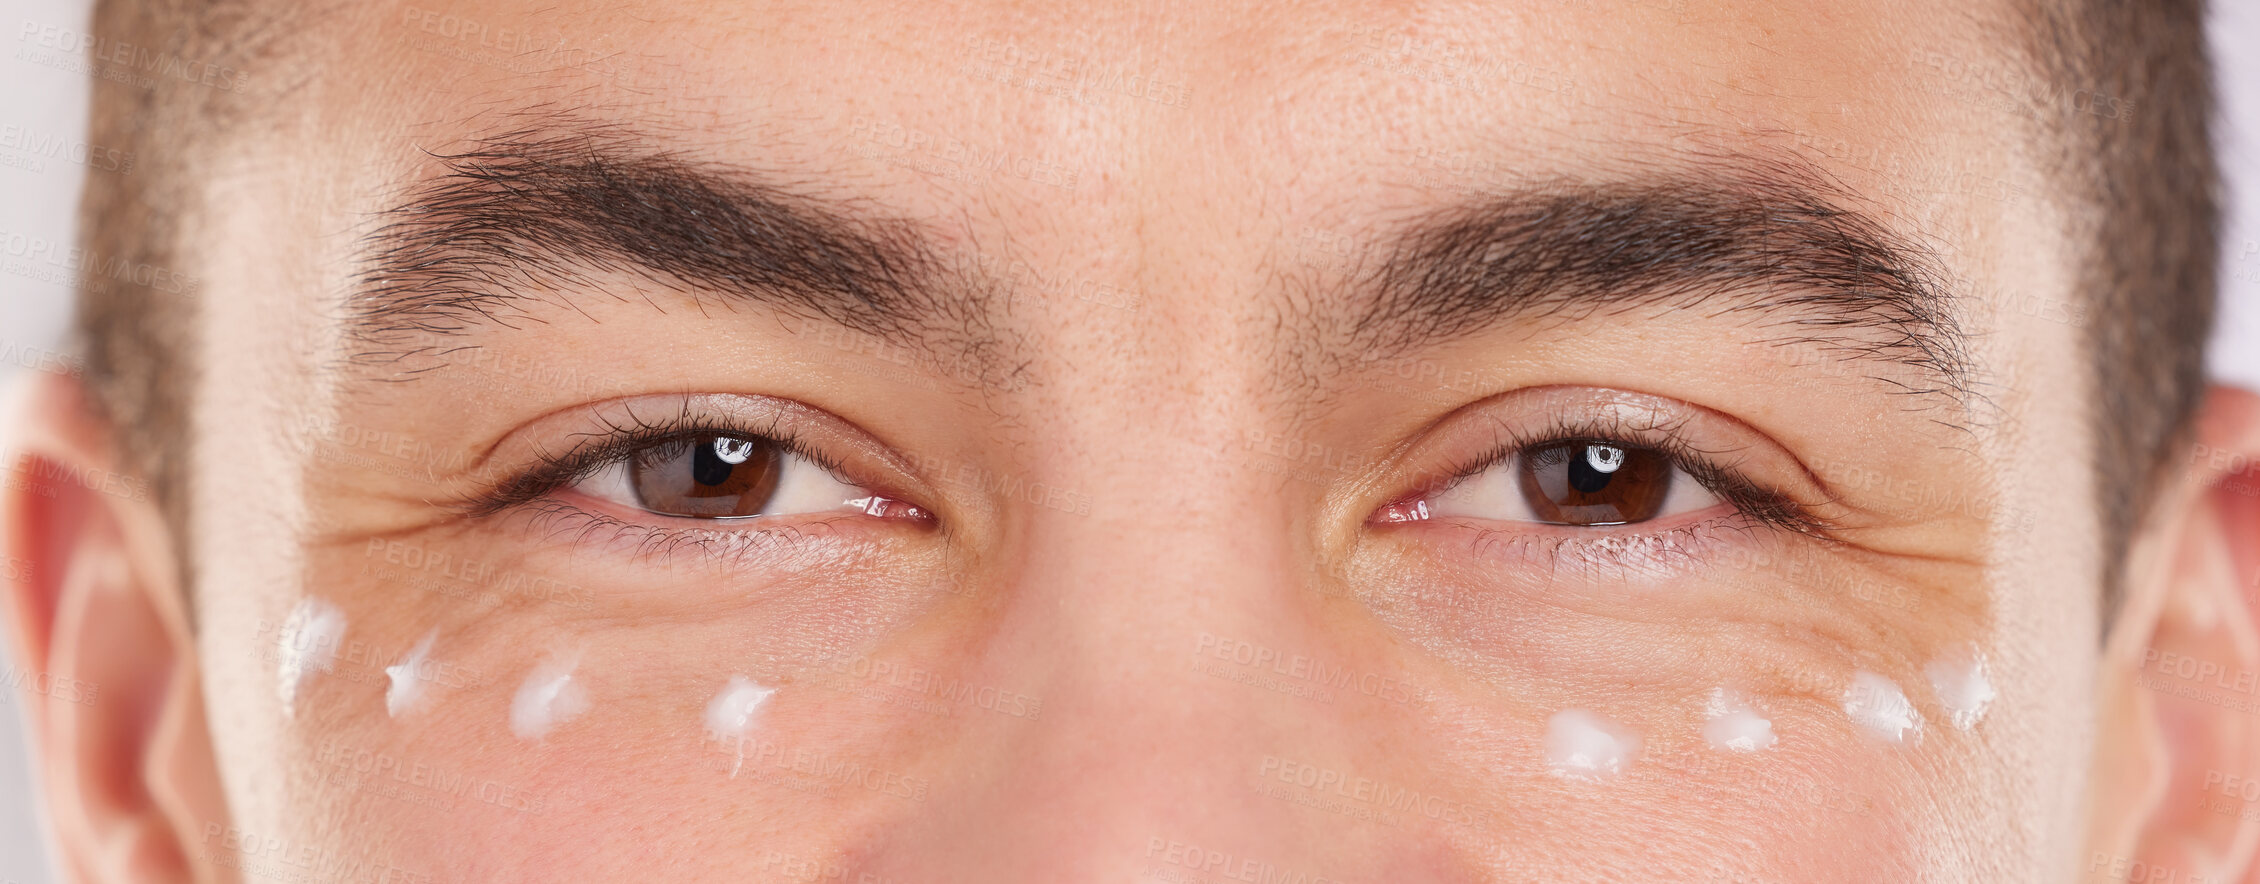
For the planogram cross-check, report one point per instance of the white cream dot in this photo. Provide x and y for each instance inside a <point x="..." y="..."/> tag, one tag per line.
<point x="1962" y="686"/>
<point x="406" y="687"/>
<point x="1584" y="746"/>
<point x="1877" y="704"/>
<point x="549" y="697"/>
<point x="308" y="643"/>
<point x="1732" y="726"/>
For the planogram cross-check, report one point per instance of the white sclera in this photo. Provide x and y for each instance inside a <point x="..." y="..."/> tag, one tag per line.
<point x="1733" y="726"/>
<point x="401" y="695"/>
<point x="1962" y="687"/>
<point x="549" y="697"/>
<point x="1877" y="704"/>
<point x="1584" y="746"/>
<point x="309" y="641"/>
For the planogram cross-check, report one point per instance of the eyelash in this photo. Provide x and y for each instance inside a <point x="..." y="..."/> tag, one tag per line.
<point x="620" y="442"/>
<point x="1757" y="504"/>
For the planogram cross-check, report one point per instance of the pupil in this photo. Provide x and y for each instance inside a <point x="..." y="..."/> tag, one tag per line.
<point x="707" y="466"/>
<point x="1584" y="474"/>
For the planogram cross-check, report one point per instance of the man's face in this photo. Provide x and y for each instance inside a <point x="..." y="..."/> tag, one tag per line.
<point x="1595" y="440"/>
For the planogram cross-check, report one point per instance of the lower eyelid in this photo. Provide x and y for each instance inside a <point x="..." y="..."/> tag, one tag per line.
<point x="1620" y="550"/>
<point x="581" y="527"/>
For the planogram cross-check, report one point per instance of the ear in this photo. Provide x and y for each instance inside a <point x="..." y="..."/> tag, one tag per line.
<point x="2178" y="751"/>
<point x="103" y="646"/>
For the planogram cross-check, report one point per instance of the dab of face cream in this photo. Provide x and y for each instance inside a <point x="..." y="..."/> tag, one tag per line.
<point x="1962" y="687"/>
<point x="733" y="711"/>
<point x="1875" y="703"/>
<point x="549" y="697"/>
<point x="406" y="688"/>
<point x="1733" y="726"/>
<point x="308" y="644"/>
<point x="1583" y="746"/>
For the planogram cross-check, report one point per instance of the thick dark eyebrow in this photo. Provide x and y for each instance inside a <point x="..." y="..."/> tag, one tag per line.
<point x="1771" y="239"/>
<point x="523" y="217"/>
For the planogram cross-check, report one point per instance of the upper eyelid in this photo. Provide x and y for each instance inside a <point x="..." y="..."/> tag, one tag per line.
<point x="556" y="471"/>
<point x="1654" y="427"/>
<point x="619" y="437"/>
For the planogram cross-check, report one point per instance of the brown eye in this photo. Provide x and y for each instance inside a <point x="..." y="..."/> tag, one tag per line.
<point x="707" y="476"/>
<point x="1593" y="483"/>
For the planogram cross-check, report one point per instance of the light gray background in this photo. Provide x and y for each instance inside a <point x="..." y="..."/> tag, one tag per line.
<point x="38" y="203"/>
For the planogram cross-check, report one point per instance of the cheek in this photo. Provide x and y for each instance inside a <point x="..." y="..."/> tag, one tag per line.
<point x="453" y="718"/>
<point x="1827" y="801"/>
<point x="594" y="763"/>
<point x="1758" y="725"/>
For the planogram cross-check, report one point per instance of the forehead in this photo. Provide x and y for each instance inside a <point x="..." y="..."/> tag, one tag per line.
<point x="1047" y="122"/>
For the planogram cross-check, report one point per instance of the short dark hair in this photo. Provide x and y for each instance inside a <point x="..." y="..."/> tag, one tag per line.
<point x="2146" y="207"/>
<point x="2128" y="116"/>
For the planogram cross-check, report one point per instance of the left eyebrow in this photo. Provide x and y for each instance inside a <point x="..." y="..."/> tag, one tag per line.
<point x="527" y="216"/>
<point x="1765" y="237"/>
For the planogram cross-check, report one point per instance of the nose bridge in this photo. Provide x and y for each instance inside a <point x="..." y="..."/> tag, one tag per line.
<point x="1163" y="629"/>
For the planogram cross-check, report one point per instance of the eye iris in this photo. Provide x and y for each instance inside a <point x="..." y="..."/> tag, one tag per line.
<point x="1594" y="483"/>
<point x="707" y="476"/>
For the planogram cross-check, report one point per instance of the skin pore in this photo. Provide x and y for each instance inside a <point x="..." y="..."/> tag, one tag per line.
<point x="1167" y="406"/>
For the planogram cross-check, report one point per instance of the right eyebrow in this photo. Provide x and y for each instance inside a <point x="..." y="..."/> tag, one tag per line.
<point x="516" y="217"/>
<point x="1763" y="237"/>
